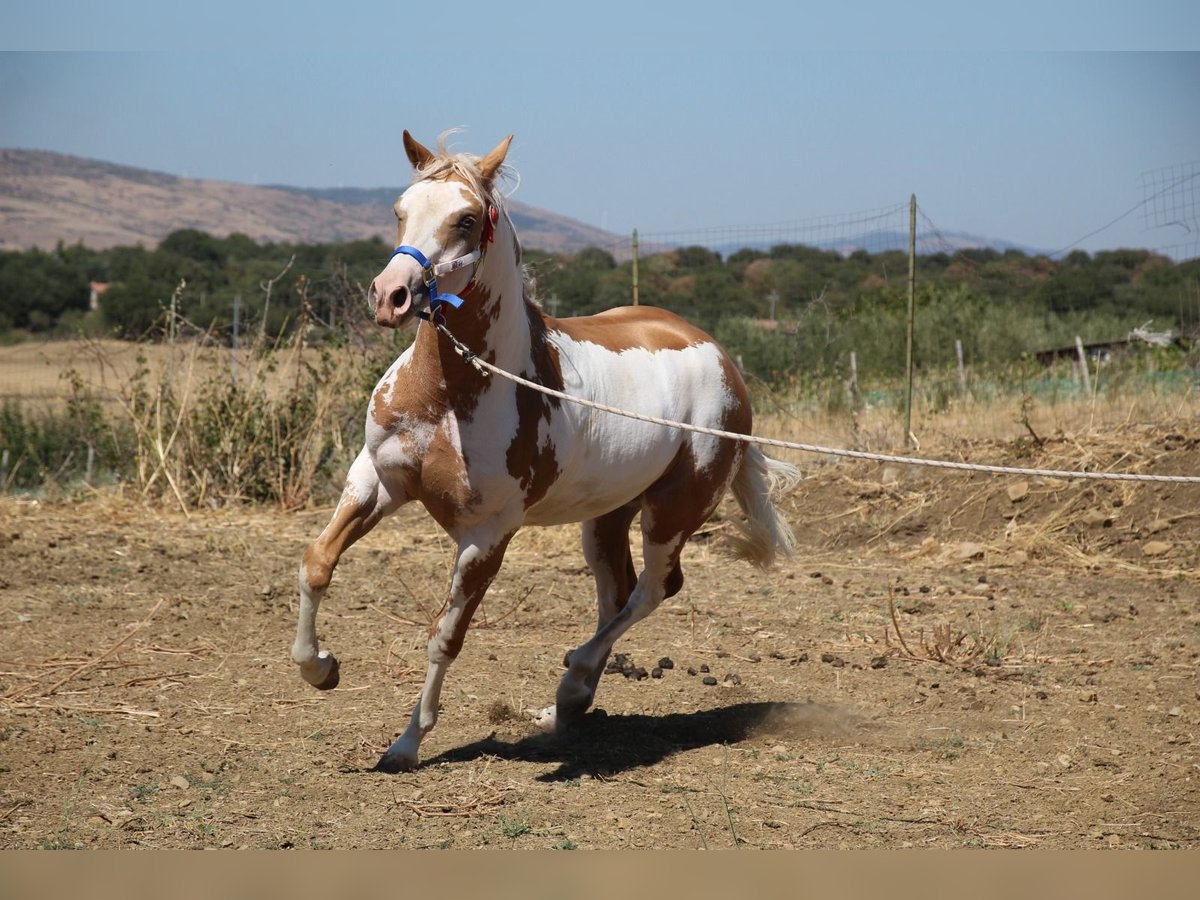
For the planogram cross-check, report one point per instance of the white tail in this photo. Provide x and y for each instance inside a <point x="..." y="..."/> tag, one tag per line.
<point x="757" y="483"/>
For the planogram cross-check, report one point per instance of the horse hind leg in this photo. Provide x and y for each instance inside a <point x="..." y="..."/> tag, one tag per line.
<point x="606" y="551"/>
<point x="363" y="504"/>
<point x="672" y="509"/>
<point x="577" y="688"/>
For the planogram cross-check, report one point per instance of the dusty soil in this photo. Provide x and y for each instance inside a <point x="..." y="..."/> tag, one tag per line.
<point x="1042" y="690"/>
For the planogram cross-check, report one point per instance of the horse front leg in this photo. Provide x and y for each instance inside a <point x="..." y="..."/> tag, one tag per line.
<point x="476" y="564"/>
<point x="363" y="503"/>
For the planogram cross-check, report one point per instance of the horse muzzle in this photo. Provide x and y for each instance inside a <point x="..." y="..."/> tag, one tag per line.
<point x="393" y="304"/>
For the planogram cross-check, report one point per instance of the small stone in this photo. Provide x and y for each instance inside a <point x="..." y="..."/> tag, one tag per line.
<point x="879" y="662"/>
<point x="656" y="672"/>
<point x="731" y="678"/>
<point x="704" y="668"/>
<point x="968" y="550"/>
<point x="1018" y="492"/>
<point x="1175" y="711"/>
<point x="1157" y="548"/>
<point x="1063" y="760"/>
<point x="180" y="782"/>
<point x="709" y="680"/>
<point x="666" y="663"/>
<point x="691" y="671"/>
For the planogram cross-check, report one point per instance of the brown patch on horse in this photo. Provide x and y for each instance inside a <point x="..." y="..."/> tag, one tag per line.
<point x="533" y="464"/>
<point x="634" y="327"/>
<point x="611" y="534"/>
<point x="685" y="496"/>
<point x="450" y="232"/>
<point x="440" y="482"/>
<point x="423" y="396"/>
<point x="476" y="579"/>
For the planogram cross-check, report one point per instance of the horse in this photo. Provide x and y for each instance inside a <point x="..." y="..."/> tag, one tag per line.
<point x="485" y="456"/>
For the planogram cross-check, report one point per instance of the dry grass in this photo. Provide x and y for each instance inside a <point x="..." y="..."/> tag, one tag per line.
<point x="880" y="428"/>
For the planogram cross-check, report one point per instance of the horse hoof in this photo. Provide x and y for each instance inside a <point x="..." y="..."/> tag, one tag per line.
<point x="394" y="763"/>
<point x="545" y="720"/>
<point x="327" y="680"/>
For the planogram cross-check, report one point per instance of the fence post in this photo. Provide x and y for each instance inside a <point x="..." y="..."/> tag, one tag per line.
<point x="237" y="321"/>
<point x="853" y="378"/>
<point x="908" y="329"/>
<point x="1083" y="366"/>
<point x="635" y="268"/>
<point x="962" y="372"/>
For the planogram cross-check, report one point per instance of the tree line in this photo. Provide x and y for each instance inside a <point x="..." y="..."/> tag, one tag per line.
<point x="824" y="304"/>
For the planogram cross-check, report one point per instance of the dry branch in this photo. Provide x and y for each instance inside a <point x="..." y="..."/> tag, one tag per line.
<point x="79" y="670"/>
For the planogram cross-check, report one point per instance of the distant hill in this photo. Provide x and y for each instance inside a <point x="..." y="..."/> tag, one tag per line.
<point x="537" y="228"/>
<point x="50" y="197"/>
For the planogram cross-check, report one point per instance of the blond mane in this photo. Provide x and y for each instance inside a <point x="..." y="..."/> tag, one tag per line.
<point x="465" y="167"/>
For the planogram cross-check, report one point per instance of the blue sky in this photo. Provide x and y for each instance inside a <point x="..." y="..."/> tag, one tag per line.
<point x="1031" y="122"/>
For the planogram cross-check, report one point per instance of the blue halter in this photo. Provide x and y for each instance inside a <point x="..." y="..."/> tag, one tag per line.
<point x="430" y="272"/>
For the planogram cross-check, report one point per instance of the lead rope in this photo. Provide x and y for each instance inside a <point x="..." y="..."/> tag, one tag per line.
<point x="486" y="368"/>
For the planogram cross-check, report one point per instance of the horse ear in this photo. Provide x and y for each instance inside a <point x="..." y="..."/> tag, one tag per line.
<point x="489" y="165"/>
<point x="418" y="155"/>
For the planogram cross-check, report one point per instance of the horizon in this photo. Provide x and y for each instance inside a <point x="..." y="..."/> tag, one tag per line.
<point x="745" y="125"/>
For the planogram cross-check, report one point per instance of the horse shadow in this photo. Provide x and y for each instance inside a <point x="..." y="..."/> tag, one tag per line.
<point x="603" y="745"/>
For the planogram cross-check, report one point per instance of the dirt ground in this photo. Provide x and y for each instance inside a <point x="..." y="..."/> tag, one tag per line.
<point x="948" y="661"/>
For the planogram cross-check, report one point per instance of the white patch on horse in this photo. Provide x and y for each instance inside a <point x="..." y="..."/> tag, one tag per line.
<point x="602" y="467"/>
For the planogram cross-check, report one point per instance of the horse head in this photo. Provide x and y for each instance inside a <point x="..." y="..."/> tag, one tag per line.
<point x="444" y="222"/>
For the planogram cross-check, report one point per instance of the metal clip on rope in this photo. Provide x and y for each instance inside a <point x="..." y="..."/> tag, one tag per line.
<point x="468" y="355"/>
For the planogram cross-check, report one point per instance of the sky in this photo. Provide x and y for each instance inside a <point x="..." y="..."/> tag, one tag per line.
<point x="1028" y="122"/>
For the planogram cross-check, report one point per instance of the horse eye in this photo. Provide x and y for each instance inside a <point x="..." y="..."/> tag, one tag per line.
<point x="466" y="223"/>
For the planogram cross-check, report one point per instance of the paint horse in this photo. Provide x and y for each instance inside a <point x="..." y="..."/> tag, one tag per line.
<point x="485" y="456"/>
